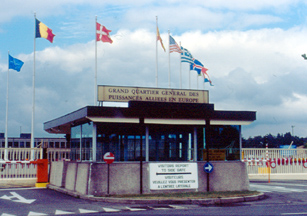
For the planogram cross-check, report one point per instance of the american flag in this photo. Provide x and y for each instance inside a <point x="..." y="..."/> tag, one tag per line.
<point x="173" y="46"/>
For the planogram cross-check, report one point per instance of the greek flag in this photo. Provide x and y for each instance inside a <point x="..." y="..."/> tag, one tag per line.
<point x="186" y="56"/>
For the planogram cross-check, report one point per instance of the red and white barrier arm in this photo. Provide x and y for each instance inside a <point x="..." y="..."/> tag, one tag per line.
<point x="17" y="162"/>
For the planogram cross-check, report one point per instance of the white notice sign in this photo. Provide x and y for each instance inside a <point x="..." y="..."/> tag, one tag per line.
<point x="173" y="176"/>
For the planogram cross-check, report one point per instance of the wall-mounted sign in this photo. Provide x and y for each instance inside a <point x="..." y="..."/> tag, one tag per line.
<point x="108" y="157"/>
<point x="215" y="154"/>
<point x="208" y="167"/>
<point x="173" y="176"/>
<point x="125" y="94"/>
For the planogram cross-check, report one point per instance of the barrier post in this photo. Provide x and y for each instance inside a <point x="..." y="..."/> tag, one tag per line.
<point x="269" y="170"/>
<point x="267" y="159"/>
<point x="42" y="173"/>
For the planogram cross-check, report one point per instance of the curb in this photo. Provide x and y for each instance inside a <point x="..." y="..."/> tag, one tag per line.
<point x="207" y="201"/>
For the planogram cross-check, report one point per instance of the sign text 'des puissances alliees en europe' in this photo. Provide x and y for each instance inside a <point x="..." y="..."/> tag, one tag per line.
<point x="125" y="94"/>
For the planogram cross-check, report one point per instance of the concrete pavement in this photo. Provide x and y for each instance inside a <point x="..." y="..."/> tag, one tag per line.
<point x="208" y="201"/>
<point x="17" y="182"/>
<point x="282" y="176"/>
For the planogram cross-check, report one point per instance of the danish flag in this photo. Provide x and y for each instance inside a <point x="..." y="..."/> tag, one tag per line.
<point x="102" y="33"/>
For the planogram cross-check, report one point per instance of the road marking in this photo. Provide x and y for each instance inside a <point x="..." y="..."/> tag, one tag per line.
<point x="264" y="191"/>
<point x="13" y="189"/>
<point x="159" y="207"/>
<point x="5" y="214"/>
<point x="271" y="188"/>
<point x="110" y="210"/>
<point x="82" y="211"/>
<point x="60" y="212"/>
<point x="135" y="209"/>
<point x="19" y="198"/>
<point x="294" y="213"/>
<point x="299" y="185"/>
<point x="177" y="207"/>
<point x="35" y="213"/>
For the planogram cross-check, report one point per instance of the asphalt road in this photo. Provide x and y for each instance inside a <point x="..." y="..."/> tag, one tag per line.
<point x="282" y="198"/>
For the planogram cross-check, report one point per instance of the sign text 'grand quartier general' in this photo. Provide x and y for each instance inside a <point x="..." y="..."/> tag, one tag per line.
<point x="125" y="94"/>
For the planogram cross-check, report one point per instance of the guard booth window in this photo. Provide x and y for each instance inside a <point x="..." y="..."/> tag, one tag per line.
<point x="225" y="143"/>
<point x="166" y="143"/>
<point x="125" y="147"/>
<point x="170" y="143"/>
<point x="81" y="142"/>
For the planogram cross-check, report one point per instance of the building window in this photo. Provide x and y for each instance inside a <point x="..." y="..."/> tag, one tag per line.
<point x="81" y="142"/>
<point x="225" y="143"/>
<point x="166" y="142"/>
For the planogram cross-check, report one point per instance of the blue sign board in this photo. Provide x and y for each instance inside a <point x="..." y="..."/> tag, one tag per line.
<point x="208" y="167"/>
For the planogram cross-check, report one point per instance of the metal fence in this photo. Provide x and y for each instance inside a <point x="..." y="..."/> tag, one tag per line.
<point x="281" y="160"/>
<point x="20" y="154"/>
<point x="17" y="171"/>
<point x="56" y="154"/>
<point x="14" y="162"/>
<point x="286" y="160"/>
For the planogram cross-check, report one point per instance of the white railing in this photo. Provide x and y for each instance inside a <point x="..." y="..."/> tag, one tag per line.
<point x="17" y="171"/>
<point x="20" y="154"/>
<point x="14" y="162"/>
<point x="286" y="160"/>
<point x="25" y="154"/>
<point x="55" y="154"/>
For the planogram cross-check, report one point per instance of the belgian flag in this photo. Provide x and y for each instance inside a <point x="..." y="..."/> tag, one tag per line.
<point x="42" y="31"/>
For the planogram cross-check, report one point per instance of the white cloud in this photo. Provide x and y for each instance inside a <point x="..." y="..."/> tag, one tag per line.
<point x="258" y="69"/>
<point x="248" y="5"/>
<point x="250" y="71"/>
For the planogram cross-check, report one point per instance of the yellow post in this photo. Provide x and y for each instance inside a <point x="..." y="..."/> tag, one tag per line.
<point x="269" y="171"/>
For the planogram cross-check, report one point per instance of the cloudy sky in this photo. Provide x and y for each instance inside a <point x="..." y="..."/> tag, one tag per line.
<point x="252" y="50"/>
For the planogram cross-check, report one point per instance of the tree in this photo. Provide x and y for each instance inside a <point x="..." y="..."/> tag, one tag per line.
<point x="273" y="141"/>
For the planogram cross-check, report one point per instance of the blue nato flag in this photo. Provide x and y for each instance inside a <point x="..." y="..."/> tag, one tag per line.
<point x="15" y="63"/>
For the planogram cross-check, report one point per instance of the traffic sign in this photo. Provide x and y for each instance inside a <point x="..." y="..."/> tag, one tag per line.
<point x="305" y="164"/>
<point x="273" y="165"/>
<point x="108" y="157"/>
<point x="208" y="167"/>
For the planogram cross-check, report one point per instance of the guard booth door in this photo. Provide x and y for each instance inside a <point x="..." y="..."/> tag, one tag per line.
<point x="169" y="143"/>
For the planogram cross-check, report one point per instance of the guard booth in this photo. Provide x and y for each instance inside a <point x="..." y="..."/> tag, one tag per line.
<point x="161" y="142"/>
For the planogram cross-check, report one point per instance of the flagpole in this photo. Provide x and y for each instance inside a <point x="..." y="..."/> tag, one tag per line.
<point x="94" y="130"/>
<point x="204" y="83"/>
<point x="169" y="61"/>
<point x="189" y="78"/>
<point x="95" y="85"/>
<point x="7" y="108"/>
<point x="180" y="67"/>
<point x="156" y="51"/>
<point x="33" y="96"/>
<point x="197" y="81"/>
